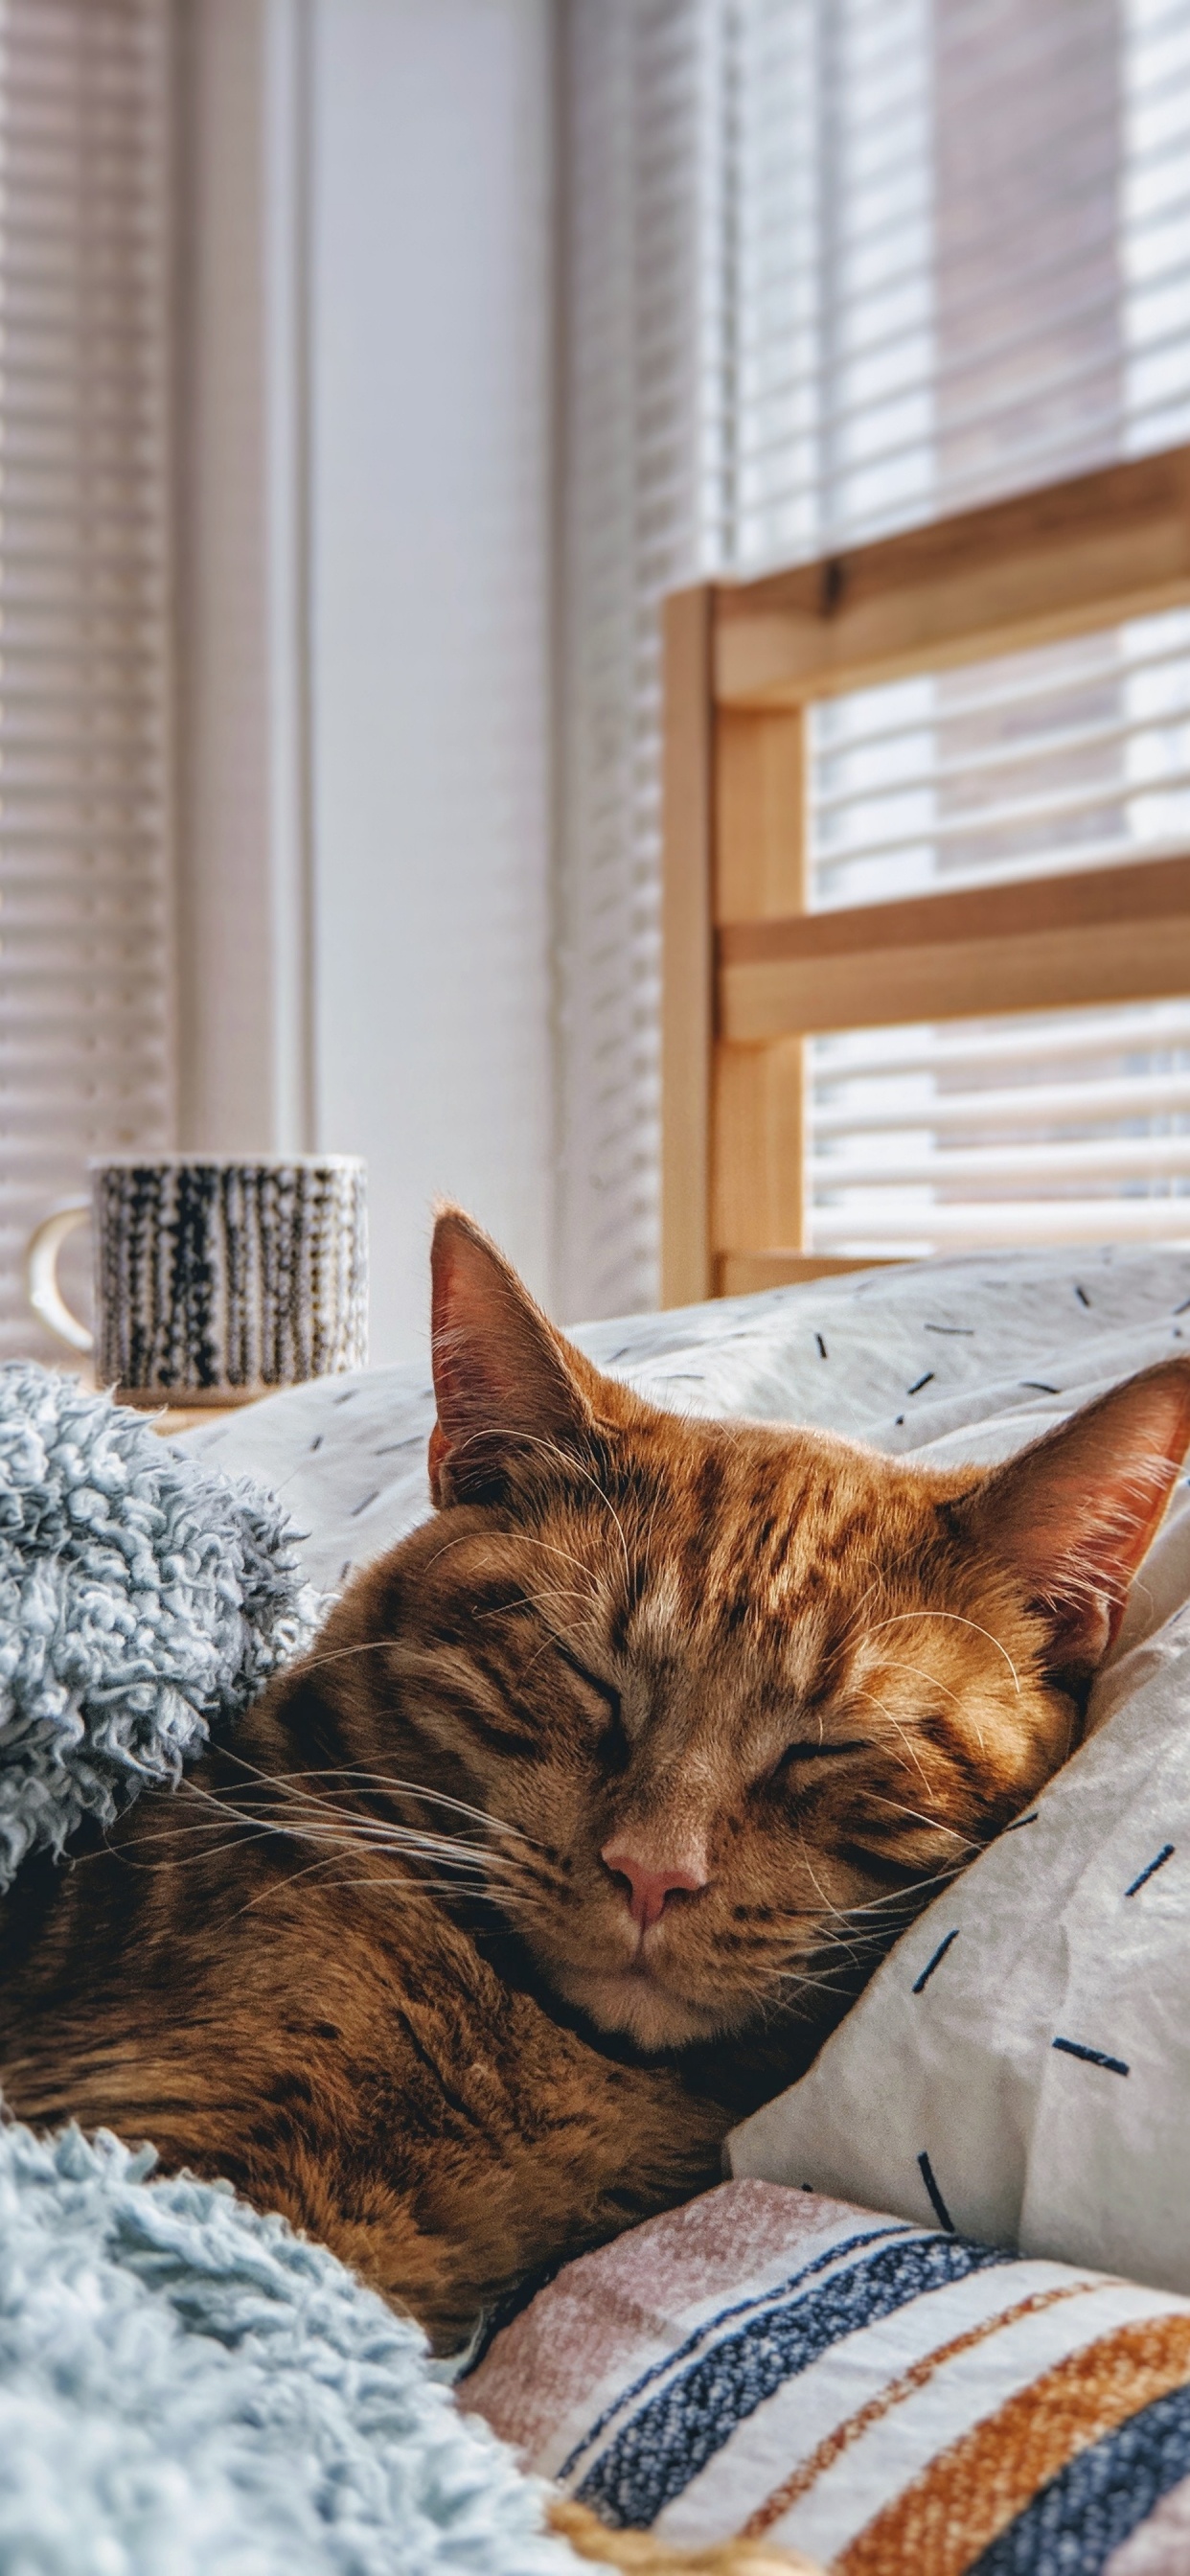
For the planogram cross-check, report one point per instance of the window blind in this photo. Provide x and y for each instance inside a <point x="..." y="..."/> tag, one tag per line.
<point x="940" y="251"/>
<point x="1079" y="754"/>
<point x="85" y="1047"/>
<point x="638" y="142"/>
<point x="1072" y="1124"/>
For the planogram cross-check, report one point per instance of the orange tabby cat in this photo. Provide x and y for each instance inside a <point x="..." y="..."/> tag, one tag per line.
<point x="595" y="1802"/>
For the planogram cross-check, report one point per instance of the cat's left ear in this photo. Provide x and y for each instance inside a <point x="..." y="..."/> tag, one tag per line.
<point x="1073" y="1515"/>
<point x="508" y="1387"/>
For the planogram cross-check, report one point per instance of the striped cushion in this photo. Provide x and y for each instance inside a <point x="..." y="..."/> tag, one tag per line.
<point x="892" y="2400"/>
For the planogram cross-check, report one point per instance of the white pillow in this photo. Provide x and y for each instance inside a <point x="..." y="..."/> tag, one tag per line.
<point x="1020" y="2065"/>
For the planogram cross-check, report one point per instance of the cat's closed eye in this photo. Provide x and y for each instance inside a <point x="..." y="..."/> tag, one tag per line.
<point x="612" y="1745"/>
<point x="802" y="1752"/>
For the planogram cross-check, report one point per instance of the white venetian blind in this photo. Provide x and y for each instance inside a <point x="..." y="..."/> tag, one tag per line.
<point x="942" y="253"/>
<point x="1060" y="335"/>
<point x="85" y="1042"/>
<point x="1071" y="1124"/>
<point x="638" y="141"/>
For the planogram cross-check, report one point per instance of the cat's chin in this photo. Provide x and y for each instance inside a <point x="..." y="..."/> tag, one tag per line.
<point x="635" y="2005"/>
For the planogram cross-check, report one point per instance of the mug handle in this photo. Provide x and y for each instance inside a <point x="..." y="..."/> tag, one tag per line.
<point x="41" y="1273"/>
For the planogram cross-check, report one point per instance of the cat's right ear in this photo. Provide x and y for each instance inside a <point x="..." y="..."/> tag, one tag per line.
<point x="1073" y="1515"/>
<point x="505" y="1389"/>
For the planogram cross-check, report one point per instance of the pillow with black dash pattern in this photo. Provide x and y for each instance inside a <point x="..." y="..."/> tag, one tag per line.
<point x="1019" y="2067"/>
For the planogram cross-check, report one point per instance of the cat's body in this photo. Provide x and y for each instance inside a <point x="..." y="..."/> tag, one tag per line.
<point x="611" y="1781"/>
<point x="329" y="2038"/>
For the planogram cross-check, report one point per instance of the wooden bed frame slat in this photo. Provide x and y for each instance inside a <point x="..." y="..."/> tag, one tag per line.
<point x="740" y="1274"/>
<point x="1017" y="573"/>
<point x="1102" y="935"/>
<point x="748" y="973"/>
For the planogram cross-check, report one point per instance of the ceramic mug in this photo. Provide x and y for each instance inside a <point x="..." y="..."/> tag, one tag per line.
<point x="214" y="1280"/>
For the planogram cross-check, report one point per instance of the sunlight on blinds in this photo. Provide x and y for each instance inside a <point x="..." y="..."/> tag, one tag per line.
<point x="1070" y="1126"/>
<point x="84" y="682"/>
<point x="956" y="238"/>
<point x="637" y="149"/>
<point x="1072" y="757"/>
<point x="834" y="267"/>
<point x="1005" y="260"/>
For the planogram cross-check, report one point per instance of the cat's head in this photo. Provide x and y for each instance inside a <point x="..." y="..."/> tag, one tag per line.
<point x="739" y="1695"/>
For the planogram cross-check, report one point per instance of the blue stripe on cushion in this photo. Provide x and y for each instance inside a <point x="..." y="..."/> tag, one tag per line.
<point x="671" y="2361"/>
<point x="1075" y="2522"/>
<point x="655" y="2457"/>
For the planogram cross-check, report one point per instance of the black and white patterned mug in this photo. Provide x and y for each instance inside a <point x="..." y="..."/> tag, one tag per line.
<point x="214" y="1280"/>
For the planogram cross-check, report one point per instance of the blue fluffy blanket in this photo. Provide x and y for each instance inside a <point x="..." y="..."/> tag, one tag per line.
<point x="186" y="2388"/>
<point x="141" y="1597"/>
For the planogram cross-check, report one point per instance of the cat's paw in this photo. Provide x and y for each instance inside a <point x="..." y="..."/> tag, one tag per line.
<point x="640" y="2553"/>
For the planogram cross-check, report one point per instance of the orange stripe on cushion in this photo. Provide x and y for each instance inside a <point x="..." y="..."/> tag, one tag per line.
<point x="972" y="2491"/>
<point x="909" y="2384"/>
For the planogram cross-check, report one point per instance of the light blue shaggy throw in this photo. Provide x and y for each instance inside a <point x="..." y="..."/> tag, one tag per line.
<point x="189" y="2390"/>
<point x="186" y="2387"/>
<point x="142" y="1597"/>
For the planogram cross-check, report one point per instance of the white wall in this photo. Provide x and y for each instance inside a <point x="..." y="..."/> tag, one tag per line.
<point x="244" y="975"/>
<point x="430" y="617"/>
<point x="366" y="619"/>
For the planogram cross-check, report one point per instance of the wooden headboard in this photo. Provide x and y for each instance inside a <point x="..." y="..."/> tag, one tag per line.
<point x="748" y="972"/>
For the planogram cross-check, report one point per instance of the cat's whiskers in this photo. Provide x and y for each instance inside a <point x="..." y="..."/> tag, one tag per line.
<point x="831" y="1914"/>
<point x="893" y="1902"/>
<point x="900" y="1617"/>
<point x="934" y="1679"/>
<point x="552" y="1547"/>
<point x="853" y="1945"/>
<point x="362" y="1646"/>
<point x="127" y="1855"/>
<point x="899" y="1729"/>
<point x="543" y="1649"/>
<point x="813" y="1968"/>
<point x="391" y="1780"/>
<point x="803" y="1981"/>
<point x="327" y="1814"/>
<point x="384" y="1880"/>
<point x="572" y="1465"/>
<point x="533" y="1601"/>
<point x="827" y="1902"/>
<point x="892" y="1897"/>
<point x="287" y="1782"/>
<point x="415" y="1884"/>
<point x="278" y="1886"/>
<point x="932" y="1824"/>
<point x="853" y="1625"/>
<point x="258" y="1831"/>
<point x="346" y="1832"/>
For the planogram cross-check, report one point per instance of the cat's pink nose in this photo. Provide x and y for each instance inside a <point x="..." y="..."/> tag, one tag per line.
<point x="648" y="1886"/>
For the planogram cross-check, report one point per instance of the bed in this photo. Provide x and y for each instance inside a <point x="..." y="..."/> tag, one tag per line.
<point x="937" y="2318"/>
